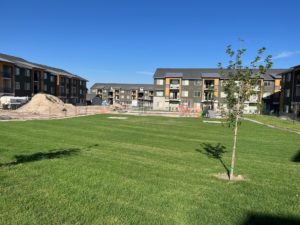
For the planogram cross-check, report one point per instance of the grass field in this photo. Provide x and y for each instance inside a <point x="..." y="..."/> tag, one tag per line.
<point x="276" y="121"/>
<point x="143" y="170"/>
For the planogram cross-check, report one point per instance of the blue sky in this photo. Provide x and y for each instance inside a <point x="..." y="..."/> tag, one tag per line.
<point x="126" y="40"/>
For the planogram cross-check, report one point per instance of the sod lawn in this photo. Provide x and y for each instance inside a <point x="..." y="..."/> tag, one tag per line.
<point x="145" y="170"/>
<point x="277" y="122"/>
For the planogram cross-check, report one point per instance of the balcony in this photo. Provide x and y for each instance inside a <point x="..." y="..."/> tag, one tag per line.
<point x="6" y="74"/>
<point x="211" y="87"/>
<point x="174" y="86"/>
<point x="173" y="99"/>
<point x="208" y="99"/>
<point x="256" y="88"/>
<point x="6" y="90"/>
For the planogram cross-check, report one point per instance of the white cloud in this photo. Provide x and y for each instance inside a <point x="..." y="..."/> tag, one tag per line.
<point x="145" y="72"/>
<point x="286" y="54"/>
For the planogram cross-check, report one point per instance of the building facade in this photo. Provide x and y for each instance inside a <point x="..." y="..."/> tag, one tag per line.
<point x="290" y="98"/>
<point x="201" y="89"/>
<point x="19" y="77"/>
<point x="125" y="94"/>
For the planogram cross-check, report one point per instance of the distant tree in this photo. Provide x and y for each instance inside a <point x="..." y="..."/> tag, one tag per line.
<point x="241" y="82"/>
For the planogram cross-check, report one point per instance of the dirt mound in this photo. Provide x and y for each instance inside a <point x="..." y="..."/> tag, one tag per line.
<point x="224" y="176"/>
<point x="44" y="104"/>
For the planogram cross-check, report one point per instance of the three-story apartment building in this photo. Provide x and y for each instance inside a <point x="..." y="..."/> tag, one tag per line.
<point x="125" y="94"/>
<point x="204" y="89"/>
<point x="290" y="98"/>
<point x="19" y="77"/>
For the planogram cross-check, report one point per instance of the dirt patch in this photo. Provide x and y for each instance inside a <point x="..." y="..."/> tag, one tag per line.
<point x="117" y="118"/>
<point x="224" y="176"/>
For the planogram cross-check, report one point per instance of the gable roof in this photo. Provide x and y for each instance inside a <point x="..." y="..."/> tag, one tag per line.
<point x="20" y="62"/>
<point x="199" y="73"/>
<point x="122" y="86"/>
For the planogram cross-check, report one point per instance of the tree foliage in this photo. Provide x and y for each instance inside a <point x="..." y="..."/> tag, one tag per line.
<point x="242" y="81"/>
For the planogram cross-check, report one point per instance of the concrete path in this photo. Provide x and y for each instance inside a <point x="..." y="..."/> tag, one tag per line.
<point x="272" y="126"/>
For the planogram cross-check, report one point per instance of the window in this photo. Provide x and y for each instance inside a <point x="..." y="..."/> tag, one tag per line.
<point x="286" y="108"/>
<point x="122" y="91"/>
<point x="122" y="96"/>
<point x="27" y="86"/>
<point x="185" y="82"/>
<point x="288" y="77"/>
<point x="160" y="82"/>
<point x="7" y="85"/>
<point x="80" y="82"/>
<point x="185" y="93"/>
<point x="62" y="90"/>
<point x="80" y="91"/>
<point x="197" y="83"/>
<point x="17" y="71"/>
<point x="17" y="85"/>
<point x="52" y="78"/>
<point x="45" y="87"/>
<point x="159" y="93"/>
<point x="27" y="73"/>
<point x="52" y="90"/>
<point x="267" y="83"/>
<point x="174" y="81"/>
<point x="287" y="93"/>
<point x="45" y="76"/>
<point x="197" y="94"/>
<point x="298" y="91"/>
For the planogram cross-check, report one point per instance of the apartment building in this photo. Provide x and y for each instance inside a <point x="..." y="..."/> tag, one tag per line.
<point x="125" y="94"/>
<point x="19" y="77"/>
<point x="290" y="98"/>
<point x="204" y="89"/>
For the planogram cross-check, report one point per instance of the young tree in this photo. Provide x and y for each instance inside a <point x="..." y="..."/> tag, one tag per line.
<point x="241" y="83"/>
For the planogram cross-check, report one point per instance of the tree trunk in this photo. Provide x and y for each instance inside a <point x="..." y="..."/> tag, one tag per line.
<point x="234" y="148"/>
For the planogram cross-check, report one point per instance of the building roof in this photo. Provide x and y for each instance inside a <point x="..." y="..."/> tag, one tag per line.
<point x="20" y="62"/>
<point x="199" y="73"/>
<point x="122" y="86"/>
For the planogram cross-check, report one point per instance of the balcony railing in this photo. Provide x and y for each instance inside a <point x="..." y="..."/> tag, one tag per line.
<point x="173" y="98"/>
<point x="211" y="87"/>
<point x="174" y="86"/>
<point x="208" y="99"/>
<point x="6" y="90"/>
<point x="6" y="74"/>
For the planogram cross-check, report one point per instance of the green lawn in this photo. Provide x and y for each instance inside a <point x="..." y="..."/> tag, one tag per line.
<point x="276" y="121"/>
<point x="143" y="170"/>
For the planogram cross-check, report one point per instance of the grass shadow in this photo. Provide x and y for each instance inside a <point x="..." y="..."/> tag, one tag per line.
<point x="41" y="156"/>
<point x="263" y="219"/>
<point x="215" y="152"/>
<point x="296" y="158"/>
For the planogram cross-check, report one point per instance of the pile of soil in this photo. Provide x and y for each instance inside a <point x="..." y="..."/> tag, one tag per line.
<point x="44" y="104"/>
